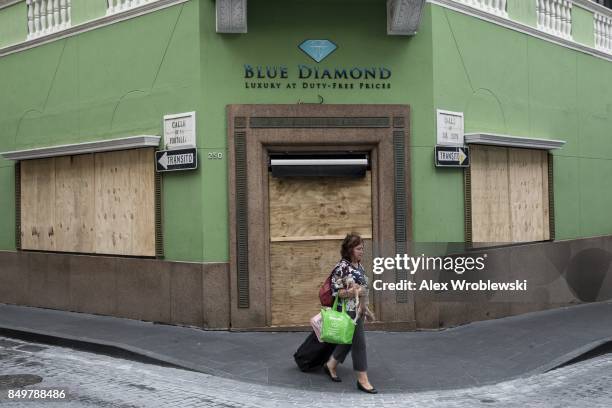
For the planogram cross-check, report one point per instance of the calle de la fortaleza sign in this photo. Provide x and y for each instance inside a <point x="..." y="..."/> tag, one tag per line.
<point x="304" y="76"/>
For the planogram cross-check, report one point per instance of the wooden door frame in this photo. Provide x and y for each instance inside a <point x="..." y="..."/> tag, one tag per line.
<point x="253" y="131"/>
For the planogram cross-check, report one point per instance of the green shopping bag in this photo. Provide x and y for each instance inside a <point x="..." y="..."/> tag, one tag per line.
<point x="338" y="327"/>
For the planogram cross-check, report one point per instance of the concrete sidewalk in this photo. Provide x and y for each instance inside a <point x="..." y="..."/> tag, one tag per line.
<point x="471" y="355"/>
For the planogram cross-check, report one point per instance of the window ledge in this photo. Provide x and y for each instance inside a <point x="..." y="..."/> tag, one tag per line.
<point x="8" y="3"/>
<point x="513" y="141"/>
<point x="132" y="142"/>
<point x="90" y="25"/>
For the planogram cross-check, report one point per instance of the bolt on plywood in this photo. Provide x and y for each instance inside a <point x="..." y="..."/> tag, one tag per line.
<point x="528" y="194"/>
<point x="309" y="218"/>
<point x="320" y="207"/>
<point x="94" y="203"/>
<point x="38" y="204"/>
<point x="74" y="203"/>
<point x="509" y="189"/>
<point x="490" y="195"/>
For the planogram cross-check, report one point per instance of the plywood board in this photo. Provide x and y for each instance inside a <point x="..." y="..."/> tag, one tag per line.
<point x="125" y="209"/>
<point x="38" y="204"/>
<point x="74" y="203"/>
<point x="319" y="206"/>
<point x="94" y="203"/>
<point x="298" y="269"/>
<point x="309" y="218"/>
<point x="141" y="214"/>
<point x="490" y="195"/>
<point x="528" y="195"/>
<point x="111" y="184"/>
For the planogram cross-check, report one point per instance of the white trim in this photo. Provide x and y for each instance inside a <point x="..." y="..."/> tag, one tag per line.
<point x="132" y="142"/>
<point x="8" y="3"/>
<point x="319" y="162"/>
<point x="593" y="7"/>
<point x="91" y="25"/>
<point x="512" y="141"/>
<point x="522" y="28"/>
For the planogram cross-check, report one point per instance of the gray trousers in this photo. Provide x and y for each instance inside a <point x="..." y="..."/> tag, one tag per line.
<point x="357" y="349"/>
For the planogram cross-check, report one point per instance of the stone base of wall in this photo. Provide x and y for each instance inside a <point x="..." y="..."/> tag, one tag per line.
<point x="558" y="273"/>
<point x="179" y="293"/>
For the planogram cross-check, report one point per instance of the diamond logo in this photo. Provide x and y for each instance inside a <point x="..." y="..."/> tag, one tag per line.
<point x="318" y="50"/>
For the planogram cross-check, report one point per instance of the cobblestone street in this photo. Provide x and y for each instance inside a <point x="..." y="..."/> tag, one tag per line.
<point x="95" y="380"/>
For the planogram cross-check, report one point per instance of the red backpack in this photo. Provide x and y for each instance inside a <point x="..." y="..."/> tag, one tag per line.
<point x="325" y="293"/>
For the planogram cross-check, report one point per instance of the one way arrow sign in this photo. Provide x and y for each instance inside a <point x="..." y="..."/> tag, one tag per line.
<point x="174" y="160"/>
<point x="452" y="156"/>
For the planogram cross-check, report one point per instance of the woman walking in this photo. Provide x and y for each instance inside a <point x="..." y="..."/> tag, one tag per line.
<point x="350" y="282"/>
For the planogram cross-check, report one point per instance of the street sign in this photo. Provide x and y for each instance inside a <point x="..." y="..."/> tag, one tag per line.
<point x="449" y="156"/>
<point x="180" y="131"/>
<point x="174" y="160"/>
<point x="450" y="128"/>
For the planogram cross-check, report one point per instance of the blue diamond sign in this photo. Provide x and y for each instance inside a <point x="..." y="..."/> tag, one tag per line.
<point x="318" y="50"/>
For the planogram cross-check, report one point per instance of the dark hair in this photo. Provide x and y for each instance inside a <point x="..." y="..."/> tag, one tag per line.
<point x="350" y="241"/>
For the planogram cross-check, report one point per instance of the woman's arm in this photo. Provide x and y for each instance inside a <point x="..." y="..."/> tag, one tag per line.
<point x="349" y="293"/>
<point x="338" y="282"/>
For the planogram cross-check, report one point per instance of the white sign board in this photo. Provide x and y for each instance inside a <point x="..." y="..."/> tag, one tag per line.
<point x="180" y="130"/>
<point x="450" y="128"/>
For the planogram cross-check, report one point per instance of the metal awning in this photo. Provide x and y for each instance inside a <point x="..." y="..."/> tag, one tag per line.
<point x="319" y="165"/>
<point x="512" y="141"/>
<point x="131" y="142"/>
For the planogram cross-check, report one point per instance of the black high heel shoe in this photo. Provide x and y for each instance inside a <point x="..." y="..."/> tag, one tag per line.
<point x="364" y="389"/>
<point x="334" y="379"/>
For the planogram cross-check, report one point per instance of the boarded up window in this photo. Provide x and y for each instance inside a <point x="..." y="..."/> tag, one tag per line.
<point x="93" y="203"/>
<point x="509" y="195"/>
<point x="309" y="218"/>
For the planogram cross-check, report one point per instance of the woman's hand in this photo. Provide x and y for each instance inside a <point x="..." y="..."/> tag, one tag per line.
<point x="353" y="291"/>
<point x="369" y="315"/>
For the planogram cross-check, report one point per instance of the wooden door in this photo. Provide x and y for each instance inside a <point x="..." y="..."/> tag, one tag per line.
<point x="309" y="218"/>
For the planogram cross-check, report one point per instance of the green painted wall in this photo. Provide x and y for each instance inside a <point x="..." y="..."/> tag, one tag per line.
<point x="111" y="82"/>
<point x="13" y="24"/>
<point x="276" y="28"/>
<point x="583" y="30"/>
<point x="86" y="10"/>
<point x="120" y="80"/>
<point x="523" y="11"/>
<point x="511" y="83"/>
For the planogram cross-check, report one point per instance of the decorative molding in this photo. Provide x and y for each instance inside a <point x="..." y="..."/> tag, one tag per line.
<point x="314" y="122"/>
<point x="117" y="6"/>
<point x="404" y="16"/>
<point x="159" y="229"/>
<point x="467" y="203"/>
<point x="91" y="25"/>
<point x="242" y="218"/>
<point x="231" y="16"/>
<point x="551" y="198"/>
<point x="498" y="7"/>
<point x="522" y="28"/>
<point x="593" y="7"/>
<point x="400" y="213"/>
<point x="132" y="142"/>
<point x="18" y="206"/>
<point x="512" y="141"/>
<point x="8" y="3"/>
<point x="602" y="27"/>
<point x="48" y="16"/>
<point x="555" y="17"/>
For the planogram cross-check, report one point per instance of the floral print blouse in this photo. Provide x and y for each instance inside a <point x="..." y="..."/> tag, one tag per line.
<point x="343" y="274"/>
